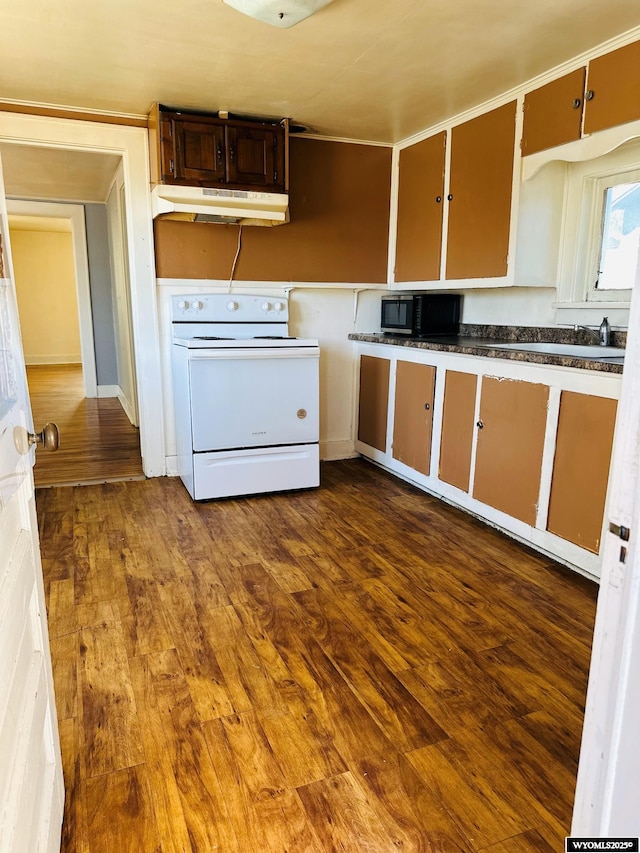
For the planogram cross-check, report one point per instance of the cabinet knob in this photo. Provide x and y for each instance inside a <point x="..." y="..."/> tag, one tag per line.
<point x="219" y="153"/>
<point x="589" y="95"/>
<point x="480" y="425"/>
<point x="427" y="406"/>
<point x="576" y="103"/>
<point x="449" y="197"/>
<point x="438" y="198"/>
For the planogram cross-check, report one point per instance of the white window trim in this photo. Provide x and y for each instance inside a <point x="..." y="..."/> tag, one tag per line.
<point x="582" y="229"/>
<point x="599" y="189"/>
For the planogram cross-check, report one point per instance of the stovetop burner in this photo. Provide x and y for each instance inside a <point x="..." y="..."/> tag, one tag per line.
<point x="274" y="338"/>
<point x="211" y="338"/>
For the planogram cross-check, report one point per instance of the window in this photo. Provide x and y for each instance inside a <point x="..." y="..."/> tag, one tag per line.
<point x="619" y="242"/>
<point x="601" y="230"/>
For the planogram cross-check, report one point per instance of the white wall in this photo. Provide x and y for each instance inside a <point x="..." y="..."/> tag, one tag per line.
<point x="47" y="300"/>
<point x="510" y="306"/>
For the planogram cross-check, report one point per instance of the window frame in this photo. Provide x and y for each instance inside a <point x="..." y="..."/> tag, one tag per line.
<point x="582" y="232"/>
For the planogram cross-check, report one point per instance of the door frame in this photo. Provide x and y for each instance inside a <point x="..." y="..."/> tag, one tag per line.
<point x="75" y="214"/>
<point x="131" y="144"/>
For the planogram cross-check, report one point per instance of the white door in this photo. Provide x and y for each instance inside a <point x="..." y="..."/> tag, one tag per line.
<point x="31" y="783"/>
<point x="608" y="786"/>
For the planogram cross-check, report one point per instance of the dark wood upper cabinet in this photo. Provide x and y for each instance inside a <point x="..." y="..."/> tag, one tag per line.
<point x="613" y="89"/>
<point x="255" y="156"/>
<point x="198" y="153"/>
<point x="553" y="113"/>
<point x="205" y="151"/>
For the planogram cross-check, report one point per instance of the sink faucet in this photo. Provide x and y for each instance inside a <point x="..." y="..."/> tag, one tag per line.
<point x="602" y="336"/>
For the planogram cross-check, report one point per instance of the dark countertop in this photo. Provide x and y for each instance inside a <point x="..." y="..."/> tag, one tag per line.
<point x="485" y="340"/>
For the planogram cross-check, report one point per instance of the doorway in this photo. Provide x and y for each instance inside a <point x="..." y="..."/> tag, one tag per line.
<point x="128" y="145"/>
<point x="77" y="339"/>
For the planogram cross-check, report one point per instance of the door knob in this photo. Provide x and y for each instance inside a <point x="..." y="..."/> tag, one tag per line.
<point x="49" y="438"/>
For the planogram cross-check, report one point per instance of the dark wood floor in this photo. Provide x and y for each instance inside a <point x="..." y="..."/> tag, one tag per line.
<point x="97" y="441"/>
<point x="357" y="668"/>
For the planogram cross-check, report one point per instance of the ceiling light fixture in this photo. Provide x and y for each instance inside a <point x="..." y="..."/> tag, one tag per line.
<point x="278" y="13"/>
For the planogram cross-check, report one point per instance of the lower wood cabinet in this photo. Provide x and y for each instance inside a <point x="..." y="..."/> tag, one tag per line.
<point x="581" y="468"/>
<point x="373" y="401"/>
<point x="458" y="426"/>
<point x="526" y="447"/>
<point x="413" y="414"/>
<point x="511" y="431"/>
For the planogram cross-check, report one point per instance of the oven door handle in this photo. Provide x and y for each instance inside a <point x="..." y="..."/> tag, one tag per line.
<point x="260" y="354"/>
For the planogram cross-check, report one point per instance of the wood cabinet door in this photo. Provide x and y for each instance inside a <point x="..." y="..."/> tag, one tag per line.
<point x="513" y="415"/>
<point x="199" y="152"/>
<point x="613" y="89"/>
<point x="581" y="468"/>
<point x="480" y="195"/>
<point x="553" y="113"/>
<point x="413" y="414"/>
<point x="255" y="157"/>
<point x="458" y="428"/>
<point x="420" y="210"/>
<point x="374" y="401"/>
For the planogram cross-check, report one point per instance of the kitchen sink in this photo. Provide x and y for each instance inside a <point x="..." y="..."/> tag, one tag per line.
<point x="592" y="351"/>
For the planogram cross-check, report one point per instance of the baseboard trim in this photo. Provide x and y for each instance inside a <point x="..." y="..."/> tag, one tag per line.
<point x="108" y="390"/>
<point x="128" y="408"/>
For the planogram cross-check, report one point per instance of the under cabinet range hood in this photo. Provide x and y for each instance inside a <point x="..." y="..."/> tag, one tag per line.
<point x="235" y="207"/>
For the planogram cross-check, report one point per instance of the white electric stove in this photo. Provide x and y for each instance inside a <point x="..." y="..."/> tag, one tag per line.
<point x="246" y="396"/>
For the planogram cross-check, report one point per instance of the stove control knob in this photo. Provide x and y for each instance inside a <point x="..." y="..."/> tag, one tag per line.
<point x="197" y="304"/>
<point x="266" y="306"/>
<point x="232" y="306"/>
<point x="183" y="304"/>
<point x="279" y="306"/>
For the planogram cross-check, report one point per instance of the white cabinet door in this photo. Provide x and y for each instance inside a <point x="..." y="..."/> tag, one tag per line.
<point x="31" y="785"/>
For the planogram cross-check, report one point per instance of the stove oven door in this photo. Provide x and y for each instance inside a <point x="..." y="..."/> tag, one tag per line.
<point x="257" y="397"/>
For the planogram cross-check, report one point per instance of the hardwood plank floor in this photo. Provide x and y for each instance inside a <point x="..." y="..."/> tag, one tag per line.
<point x="97" y="441"/>
<point x="356" y="668"/>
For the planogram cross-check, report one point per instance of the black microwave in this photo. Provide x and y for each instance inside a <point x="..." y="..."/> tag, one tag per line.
<point x="421" y="314"/>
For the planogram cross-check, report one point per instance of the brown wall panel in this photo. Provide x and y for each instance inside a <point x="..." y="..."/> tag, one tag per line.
<point x="457" y="428"/>
<point x="419" y="233"/>
<point x="581" y="468"/>
<point x="510" y="445"/>
<point x="480" y="186"/>
<point x="413" y="414"/>
<point x="549" y="115"/>
<point x="614" y="80"/>
<point x="374" y="401"/>
<point x="339" y="228"/>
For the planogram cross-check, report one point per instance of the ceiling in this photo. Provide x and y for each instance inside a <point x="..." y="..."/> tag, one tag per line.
<point x="32" y="171"/>
<point x="377" y="70"/>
